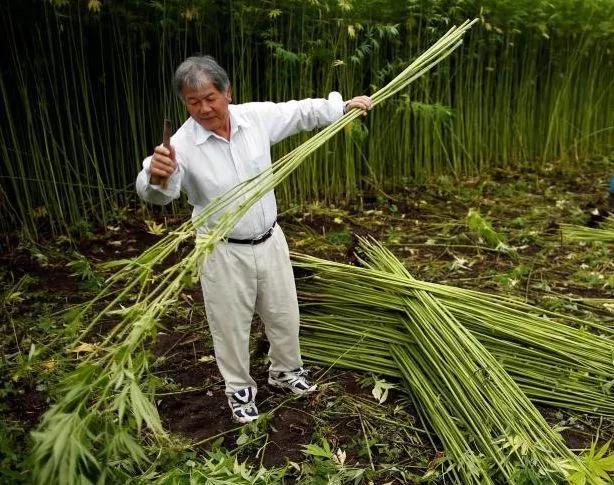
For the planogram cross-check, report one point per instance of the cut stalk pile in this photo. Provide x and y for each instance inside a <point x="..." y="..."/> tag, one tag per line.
<point x="604" y="233"/>
<point x="467" y="358"/>
<point x="89" y="432"/>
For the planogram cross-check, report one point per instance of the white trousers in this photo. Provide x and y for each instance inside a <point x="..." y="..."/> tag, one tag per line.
<point x="238" y="280"/>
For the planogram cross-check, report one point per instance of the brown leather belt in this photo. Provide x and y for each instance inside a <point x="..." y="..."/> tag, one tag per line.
<point x="259" y="240"/>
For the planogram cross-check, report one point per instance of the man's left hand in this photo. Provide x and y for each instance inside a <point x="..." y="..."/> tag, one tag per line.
<point x="363" y="103"/>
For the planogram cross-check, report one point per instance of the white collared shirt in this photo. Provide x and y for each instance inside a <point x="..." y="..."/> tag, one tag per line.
<point x="209" y="165"/>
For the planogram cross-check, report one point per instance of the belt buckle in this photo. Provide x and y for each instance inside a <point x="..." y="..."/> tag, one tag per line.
<point x="264" y="237"/>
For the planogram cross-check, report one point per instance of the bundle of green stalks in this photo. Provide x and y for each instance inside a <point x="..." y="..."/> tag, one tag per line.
<point x="342" y="338"/>
<point x="604" y="233"/>
<point x="471" y="361"/>
<point x="89" y="433"/>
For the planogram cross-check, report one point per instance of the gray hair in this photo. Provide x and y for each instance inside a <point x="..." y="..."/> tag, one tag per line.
<point x="198" y="70"/>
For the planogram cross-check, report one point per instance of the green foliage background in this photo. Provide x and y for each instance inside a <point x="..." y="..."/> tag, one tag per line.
<point x="86" y="84"/>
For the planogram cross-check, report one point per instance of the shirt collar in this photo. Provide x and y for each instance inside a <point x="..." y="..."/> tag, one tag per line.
<point x="237" y="119"/>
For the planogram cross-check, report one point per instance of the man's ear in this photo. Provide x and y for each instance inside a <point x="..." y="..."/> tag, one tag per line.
<point x="229" y="94"/>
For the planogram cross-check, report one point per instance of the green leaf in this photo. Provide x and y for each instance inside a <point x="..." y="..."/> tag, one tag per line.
<point x="607" y="464"/>
<point x="315" y="450"/>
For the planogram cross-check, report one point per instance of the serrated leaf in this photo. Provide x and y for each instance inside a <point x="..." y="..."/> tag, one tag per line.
<point x="315" y="450"/>
<point x="15" y="296"/>
<point x="607" y="463"/>
<point x="603" y="450"/>
<point x="94" y="5"/>
<point x="154" y="228"/>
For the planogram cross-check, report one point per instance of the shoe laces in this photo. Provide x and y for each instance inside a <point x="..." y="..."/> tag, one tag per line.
<point x="246" y="408"/>
<point x="299" y="375"/>
<point x="243" y="400"/>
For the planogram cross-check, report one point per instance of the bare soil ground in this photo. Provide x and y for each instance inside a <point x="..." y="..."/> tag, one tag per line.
<point x="424" y="225"/>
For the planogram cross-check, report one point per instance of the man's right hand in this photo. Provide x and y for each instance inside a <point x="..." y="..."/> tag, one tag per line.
<point x="162" y="165"/>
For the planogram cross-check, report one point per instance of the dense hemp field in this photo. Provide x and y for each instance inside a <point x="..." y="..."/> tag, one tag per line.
<point x="452" y="250"/>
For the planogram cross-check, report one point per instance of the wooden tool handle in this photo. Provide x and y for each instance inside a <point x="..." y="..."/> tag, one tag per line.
<point x="166" y="141"/>
<point x="166" y="136"/>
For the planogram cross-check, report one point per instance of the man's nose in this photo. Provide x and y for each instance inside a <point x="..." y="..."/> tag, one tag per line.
<point x="205" y="108"/>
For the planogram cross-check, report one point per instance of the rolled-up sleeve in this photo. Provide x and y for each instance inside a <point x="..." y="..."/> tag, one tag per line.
<point x="284" y="119"/>
<point x="155" y="194"/>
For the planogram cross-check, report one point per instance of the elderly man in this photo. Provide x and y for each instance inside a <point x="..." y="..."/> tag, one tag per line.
<point x="219" y="146"/>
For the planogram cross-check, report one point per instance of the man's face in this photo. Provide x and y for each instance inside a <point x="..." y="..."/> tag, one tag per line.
<point x="208" y="106"/>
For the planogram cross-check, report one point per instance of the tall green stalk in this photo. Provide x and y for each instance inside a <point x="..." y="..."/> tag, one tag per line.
<point x="87" y="91"/>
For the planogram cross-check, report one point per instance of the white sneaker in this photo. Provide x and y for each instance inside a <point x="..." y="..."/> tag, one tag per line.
<point x="294" y="380"/>
<point x="243" y="405"/>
